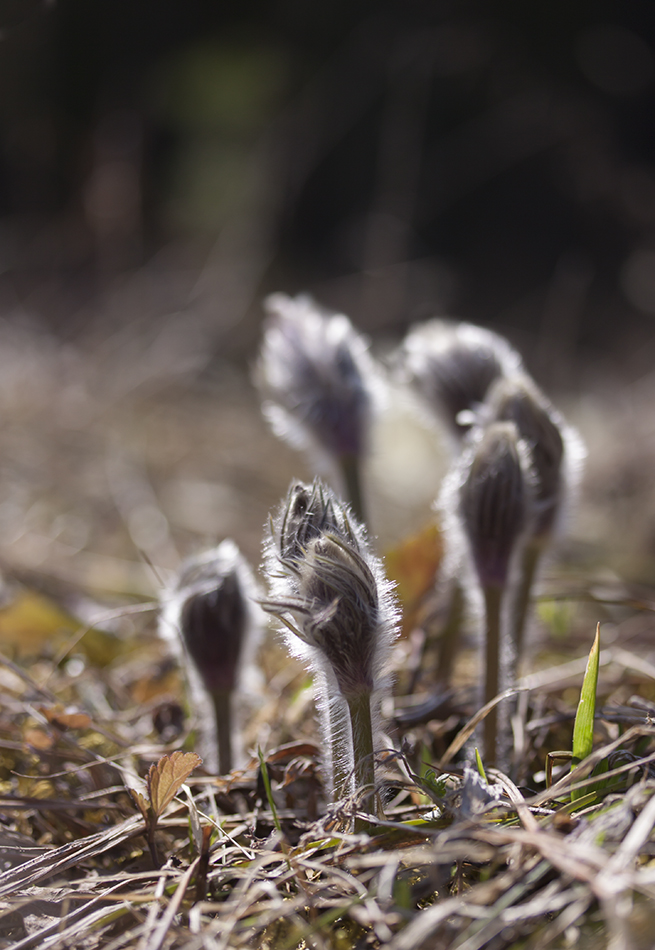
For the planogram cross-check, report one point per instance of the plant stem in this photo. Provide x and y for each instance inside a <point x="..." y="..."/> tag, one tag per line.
<point x="353" y="483"/>
<point x="492" y="603"/>
<point x="528" y="569"/>
<point x="362" y="728"/>
<point x="222" y="700"/>
<point x="342" y="773"/>
<point x="449" y="640"/>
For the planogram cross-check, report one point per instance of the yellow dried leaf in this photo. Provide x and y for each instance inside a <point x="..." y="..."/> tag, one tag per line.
<point x="166" y="777"/>
<point x="31" y="620"/>
<point x="413" y="565"/>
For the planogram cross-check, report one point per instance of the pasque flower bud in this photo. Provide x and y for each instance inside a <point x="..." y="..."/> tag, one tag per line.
<point x="451" y="366"/>
<point x="338" y="611"/>
<point x="517" y="399"/>
<point x="556" y="453"/>
<point x="319" y="384"/>
<point x="212" y="610"/>
<point x="495" y="510"/>
<point x="495" y="499"/>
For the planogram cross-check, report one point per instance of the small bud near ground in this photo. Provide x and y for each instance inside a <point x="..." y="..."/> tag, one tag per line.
<point x="211" y="611"/>
<point x="339" y="615"/>
<point x="319" y="384"/>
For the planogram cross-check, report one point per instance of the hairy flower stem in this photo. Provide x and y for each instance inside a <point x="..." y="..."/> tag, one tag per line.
<point x="222" y="701"/>
<point x="450" y="635"/>
<point x="362" y="728"/>
<point x="493" y="596"/>
<point x="341" y="757"/>
<point x="350" y="469"/>
<point x="528" y="569"/>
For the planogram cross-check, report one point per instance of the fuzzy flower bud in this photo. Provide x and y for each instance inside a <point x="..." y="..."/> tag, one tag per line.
<point x="452" y="365"/>
<point x="495" y="497"/>
<point x="330" y="587"/>
<point x="317" y="377"/>
<point x="344" y="617"/>
<point x="517" y="399"/>
<point x="212" y="610"/>
<point x="337" y="607"/>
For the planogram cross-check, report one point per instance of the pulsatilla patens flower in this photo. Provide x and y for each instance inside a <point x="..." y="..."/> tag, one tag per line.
<point x="556" y="454"/>
<point x="516" y="399"/>
<point x="494" y="500"/>
<point x="319" y="385"/>
<point x="340" y="612"/>
<point x="496" y="509"/>
<point x="451" y="366"/>
<point x="211" y="610"/>
<point x="337" y="608"/>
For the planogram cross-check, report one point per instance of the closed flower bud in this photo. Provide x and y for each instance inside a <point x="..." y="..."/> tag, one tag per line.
<point x="495" y="499"/>
<point x="317" y="377"/>
<point x="212" y="610"/>
<point x="344" y="619"/>
<point x="326" y="579"/>
<point x="556" y="455"/>
<point x="495" y="506"/>
<point x="452" y="365"/>
<point x="309" y="511"/>
<point x="339" y="615"/>
<point x="516" y="399"/>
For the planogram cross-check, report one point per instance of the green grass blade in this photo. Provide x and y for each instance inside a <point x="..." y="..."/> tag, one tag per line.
<point x="583" y="730"/>
<point x="480" y="766"/>
<point x="269" y="791"/>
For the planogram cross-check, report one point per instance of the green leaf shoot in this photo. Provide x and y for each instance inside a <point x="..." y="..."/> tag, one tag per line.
<point x="583" y="729"/>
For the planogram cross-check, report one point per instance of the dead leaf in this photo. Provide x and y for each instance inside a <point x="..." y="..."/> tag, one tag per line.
<point x="413" y="564"/>
<point x="63" y="719"/>
<point x="166" y="777"/>
<point x="38" y="739"/>
<point x="31" y="620"/>
<point x="140" y="801"/>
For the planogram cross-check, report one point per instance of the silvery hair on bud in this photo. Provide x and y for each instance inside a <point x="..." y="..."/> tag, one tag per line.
<point x="332" y="597"/>
<point x="210" y="612"/>
<point x="317" y="377"/>
<point x="451" y="365"/>
<point x="556" y="450"/>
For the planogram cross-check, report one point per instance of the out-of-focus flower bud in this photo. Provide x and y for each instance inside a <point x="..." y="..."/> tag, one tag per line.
<point x="517" y="399"/>
<point x="317" y="377"/>
<point x="212" y="611"/>
<point x="495" y="499"/>
<point x="451" y="366"/>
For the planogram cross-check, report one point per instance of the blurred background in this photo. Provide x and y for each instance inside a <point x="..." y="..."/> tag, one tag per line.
<point x="164" y="166"/>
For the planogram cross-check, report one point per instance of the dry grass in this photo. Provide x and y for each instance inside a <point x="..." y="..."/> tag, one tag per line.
<point x="96" y="466"/>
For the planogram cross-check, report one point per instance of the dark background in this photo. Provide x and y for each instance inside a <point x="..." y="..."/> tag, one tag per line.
<point x="492" y="160"/>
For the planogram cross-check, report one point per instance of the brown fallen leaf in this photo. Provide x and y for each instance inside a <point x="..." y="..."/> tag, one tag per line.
<point x="166" y="777"/>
